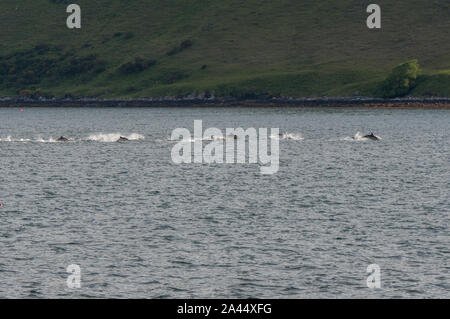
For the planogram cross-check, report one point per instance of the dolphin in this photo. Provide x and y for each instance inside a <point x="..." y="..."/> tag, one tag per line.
<point x="372" y="137"/>
<point x="62" y="139"/>
<point x="122" y="139"/>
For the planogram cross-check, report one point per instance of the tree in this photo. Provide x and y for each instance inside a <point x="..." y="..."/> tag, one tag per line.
<point x="401" y="80"/>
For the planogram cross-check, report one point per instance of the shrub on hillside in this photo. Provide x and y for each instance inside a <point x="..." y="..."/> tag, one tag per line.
<point x="183" y="46"/>
<point x="3" y="68"/>
<point x="27" y="68"/>
<point x="26" y="93"/>
<point x="34" y="94"/>
<point x="128" y="35"/>
<point x="42" y="48"/>
<point x="401" y="80"/>
<point x="171" y="77"/>
<point x="77" y="65"/>
<point x="29" y="77"/>
<point x="138" y="65"/>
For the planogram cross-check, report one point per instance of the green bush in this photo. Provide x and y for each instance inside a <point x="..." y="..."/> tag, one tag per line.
<point x="34" y="94"/>
<point x="128" y="35"/>
<point x="401" y="81"/>
<point x="183" y="46"/>
<point x="138" y="65"/>
<point x="26" y="68"/>
<point x="78" y="65"/>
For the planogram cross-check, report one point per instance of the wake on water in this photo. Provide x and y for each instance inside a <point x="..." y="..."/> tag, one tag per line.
<point x="10" y="139"/>
<point x="114" y="137"/>
<point x="100" y="137"/>
<point x="288" y="136"/>
<point x="27" y="140"/>
<point x="283" y="136"/>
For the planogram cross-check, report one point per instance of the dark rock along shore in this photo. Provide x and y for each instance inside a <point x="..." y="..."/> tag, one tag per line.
<point x="285" y="101"/>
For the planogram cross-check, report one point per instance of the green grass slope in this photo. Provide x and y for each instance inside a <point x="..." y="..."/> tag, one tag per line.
<point x="251" y="48"/>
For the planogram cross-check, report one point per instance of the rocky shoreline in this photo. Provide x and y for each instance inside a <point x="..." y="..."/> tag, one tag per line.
<point x="410" y="102"/>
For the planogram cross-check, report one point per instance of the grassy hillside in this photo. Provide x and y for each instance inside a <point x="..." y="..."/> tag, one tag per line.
<point x="143" y="48"/>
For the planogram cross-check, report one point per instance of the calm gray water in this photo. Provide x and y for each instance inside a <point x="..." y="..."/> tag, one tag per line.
<point x="140" y="226"/>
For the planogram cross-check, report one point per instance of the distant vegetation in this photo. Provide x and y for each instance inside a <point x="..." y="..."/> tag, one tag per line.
<point x="138" y="65"/>
<point x="25" y="69"/>
<point x="183" y="46"/>
<point x="234" y="48"/>
<point x="401" y="81"/>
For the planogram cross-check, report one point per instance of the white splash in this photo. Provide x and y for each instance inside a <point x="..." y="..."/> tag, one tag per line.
<point x="359" y="137"/>
<point x="288" y="136"/>
<point x="113" y="137"/>
<point x="11" y="139"/>
<point x="43" y="140"/>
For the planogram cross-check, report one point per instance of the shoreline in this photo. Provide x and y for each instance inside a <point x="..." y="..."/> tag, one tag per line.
<point x="411" y="102"/>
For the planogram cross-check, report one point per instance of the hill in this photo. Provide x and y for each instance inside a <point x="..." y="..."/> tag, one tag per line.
<point x="251" y="48"/>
